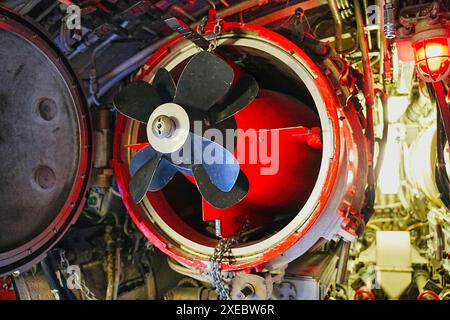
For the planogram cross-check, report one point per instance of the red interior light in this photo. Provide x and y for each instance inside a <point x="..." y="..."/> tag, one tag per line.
<point x="432" y="58"/>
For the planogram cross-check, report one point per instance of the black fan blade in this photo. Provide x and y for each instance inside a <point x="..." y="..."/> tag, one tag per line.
<point x="214" y="195"/>
<point x="243" y="92"/>
<point x="138" y="100"/>
<point x="204" y="81"/>
<point x="164" y="85"/>
<point x="142" y="179"/>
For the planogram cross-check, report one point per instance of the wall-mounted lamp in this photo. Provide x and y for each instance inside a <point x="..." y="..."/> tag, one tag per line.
<point x="431" y="51"/>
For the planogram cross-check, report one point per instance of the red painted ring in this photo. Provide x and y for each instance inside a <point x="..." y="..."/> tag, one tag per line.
<point x="152" y="232"/>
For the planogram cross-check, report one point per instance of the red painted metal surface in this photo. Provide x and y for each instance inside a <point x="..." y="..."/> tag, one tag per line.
<point x="363" y="294"/>
<point x="6" y="289"/>
<point x="272" y="116"/>
<point x="428" y="295"/>
<point x="164" y="209"/>
<point x="277" y="193"/>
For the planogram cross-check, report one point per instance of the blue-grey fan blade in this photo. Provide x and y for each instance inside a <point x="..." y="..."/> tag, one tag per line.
<point x="164" y="173"/>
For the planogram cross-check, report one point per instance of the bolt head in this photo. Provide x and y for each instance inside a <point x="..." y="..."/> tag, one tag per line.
<point x="163" y="127"/>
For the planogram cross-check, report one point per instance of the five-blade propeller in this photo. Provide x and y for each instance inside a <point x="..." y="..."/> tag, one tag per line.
<point x="205" y="91"/>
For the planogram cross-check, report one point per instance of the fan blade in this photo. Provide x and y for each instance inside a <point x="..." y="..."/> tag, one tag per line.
<point x="243" y="92"/>
<point x="138" y="100"/>
<point x="219" y="163"/>
<point x="182" y="168"/>
<point x="204" y="81"/>
<point x="214" y="195"/>
<point x="141" y="180"/>
<point x="164" y="173"/>
<point x="164" y="85"/>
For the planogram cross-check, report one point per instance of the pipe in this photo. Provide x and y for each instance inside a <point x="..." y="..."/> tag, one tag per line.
<point x="110" y="79"/>
<point x="368" y="85"/>
<point x="178" y="9"/>
<point x="47" y="11"/>
<point x="109" y="243"/>
<point x="437" y="92"/>
<point x="212" y="4"/>
<point x="109" y="277"/>
<point x="186" y="293"/>
<point x="51" y="279"/>
<point x="241" y="6"/>
<point x="193" y="273"/>
<point x="27" y="7"/>
<point x="369" y="95"/>
<point x="382" y="142"/>
<point x="367" y="69"/>
<point x="57" y="286"/>
<point x="287" y="11"/>
<point x="338" y="25"/>
<point x="341" y="277"/>
<point x="117" y="271"/>
<point x="189" y="289"/>
<point x="225" y="3"/>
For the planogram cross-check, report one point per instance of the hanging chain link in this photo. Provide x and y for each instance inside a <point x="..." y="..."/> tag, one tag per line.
<point x="217" y="30"/>
<point x="84" y="288"/>
<point x="202" y="24"/>
<point x="223" y="251"/>
<point x="74" y="276"/>
<point x="63" y="263"/>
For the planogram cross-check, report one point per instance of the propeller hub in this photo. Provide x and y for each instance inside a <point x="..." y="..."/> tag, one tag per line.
<point x="168" y="128"/>
<point x="163" y="126"/>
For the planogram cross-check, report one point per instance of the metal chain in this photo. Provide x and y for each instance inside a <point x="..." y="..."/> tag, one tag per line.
<point x="202" y="24"/>
<point x="79" y="283"/>
<point x="84" y="288"/>
<point x="216" y="32"/>
<point x="63" y="263"/>
<point x="222" y="251"/>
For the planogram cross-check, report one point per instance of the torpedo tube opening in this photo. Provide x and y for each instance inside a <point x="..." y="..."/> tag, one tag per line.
<point x="274" y="198"/>
<point x="291" y="103"/>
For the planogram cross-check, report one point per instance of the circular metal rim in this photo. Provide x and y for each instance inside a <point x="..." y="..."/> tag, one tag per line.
<point x="30" y="253"/>
<point x="147" y="220"/>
